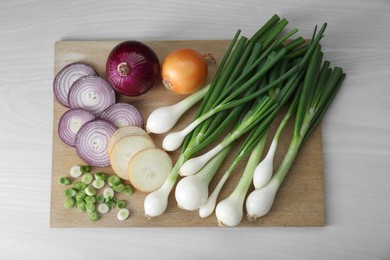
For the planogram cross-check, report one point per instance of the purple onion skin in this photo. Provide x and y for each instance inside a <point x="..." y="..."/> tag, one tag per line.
<point x="132" y="68"/>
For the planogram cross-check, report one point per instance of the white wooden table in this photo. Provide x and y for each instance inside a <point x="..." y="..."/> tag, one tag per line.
<point x="355" y="130"/>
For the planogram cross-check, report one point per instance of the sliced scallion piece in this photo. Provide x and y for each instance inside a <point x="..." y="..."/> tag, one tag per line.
<point x="123" y="214"/>
<point x="90" y="190"/>
<point x="87" y="178"/>
<point x="103" y="208"/>
<point x="69" y="193"/>
<point x="65" y="181"/>
<point x="93" y="216"/>
<point x="98" y="184"/>
<point x="75" y="171"/>
<point x="121" y="204"/>
<point x="69" y="203"/>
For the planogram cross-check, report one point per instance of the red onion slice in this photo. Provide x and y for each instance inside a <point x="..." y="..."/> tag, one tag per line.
<point x="92" y="140"/>
<point x="71" y="122"/>
<point x="91" y="93"/>
<point x="66" y="77"/>
<point x="123" y="114"/>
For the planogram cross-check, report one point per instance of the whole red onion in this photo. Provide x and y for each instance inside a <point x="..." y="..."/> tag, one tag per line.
<point x="132" y="68"/>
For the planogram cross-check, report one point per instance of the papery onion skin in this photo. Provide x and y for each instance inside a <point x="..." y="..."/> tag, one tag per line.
<point x="67" y="76"/>
<point x="95" y="87"/>
<point x="65" y="131"/>
<point x="92" y="140"/>
<point x="184" y="71"/>
<point x="132" y="68"/>
<point x="123" y="114"/>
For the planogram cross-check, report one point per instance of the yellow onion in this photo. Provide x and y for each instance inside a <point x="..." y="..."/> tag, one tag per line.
<point x="184" y="71"/>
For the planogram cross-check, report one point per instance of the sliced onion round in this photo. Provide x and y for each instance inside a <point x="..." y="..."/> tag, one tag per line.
<point x="71" y="122"/>
<point x="123" y="114"/>
<point x="91" y="142"/>
<point x="124" y="132"/>
<point x="91" y="93"/>
<point x="66" y="77"/>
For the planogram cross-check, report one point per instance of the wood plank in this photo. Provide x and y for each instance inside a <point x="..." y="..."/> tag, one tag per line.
<point x="299" y="202"/>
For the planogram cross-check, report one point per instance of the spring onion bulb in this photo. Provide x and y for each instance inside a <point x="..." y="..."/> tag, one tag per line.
<point x="123" y="214"/>
<point x="156" y="202"/>
<point x="192" y="191"/>
<point x="264" y="170"/>
<point x="164" y="118"/>
<point x="229" y="211"/>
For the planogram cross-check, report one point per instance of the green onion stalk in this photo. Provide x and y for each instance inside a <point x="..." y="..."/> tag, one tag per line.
<point x="320" y="87"/>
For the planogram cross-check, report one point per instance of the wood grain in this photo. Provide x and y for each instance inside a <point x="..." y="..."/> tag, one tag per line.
<point x="300" y="201"/>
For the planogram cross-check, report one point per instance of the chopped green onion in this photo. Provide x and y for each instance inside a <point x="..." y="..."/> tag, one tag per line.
<point x="114" y="180"/>
<point x="75" y="171"/>
<point x="85" y="169"/>
<point x="98" y="184"/>
<point x="69" y="203"/>
<point x="93" y="216"/>
<point x="121" y="204"/>
<point x="70" y="193"/>
<point x="103" y="208"/>
<point x="79" y="186"/>
<point x="81" y="195"/>
<point x="65" y="181"/>
<point x="100" y="198"/>
<point x="90" y="190"/>
<point x="90" y="199"/>
<point x="118" y="188"/>
<point x="123" y="214"/>
<point x="110" y="203"/>
<point x="108" y="193"/>
<point x="100" y="176"/>
<point x="128" y="190"/>
<point x="90" y="207"/>
<point x="87" y="178"/>
<point x="81" y="205"/>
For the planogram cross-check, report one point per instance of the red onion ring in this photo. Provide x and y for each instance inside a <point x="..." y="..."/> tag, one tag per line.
<point x="92" y="140"/>
<point x="123" y="114"/>
<point x="71" y="122"/>
<point x="66" y="77"/>
<point x="91" y="93"/>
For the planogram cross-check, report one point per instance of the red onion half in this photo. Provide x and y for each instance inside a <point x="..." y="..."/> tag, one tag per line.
<point x="132" y="68"/>
<point x="91" y="93"/>
<point x="123" y="114"/>
<point x="92" y="140"/>
<point x="71" y="122"/>
<point x="66" y="77"/>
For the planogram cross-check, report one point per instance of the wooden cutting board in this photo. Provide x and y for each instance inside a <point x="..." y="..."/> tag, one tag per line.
<point x="299" y="202"/>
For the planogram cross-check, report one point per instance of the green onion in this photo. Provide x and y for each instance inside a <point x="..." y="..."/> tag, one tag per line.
<point x="80" y="195"/>
<point x="108" y="193"/>
<point x="81" y="205"/>
<point x="128" y="190"/>
<point x="75" y="171"/>
<point x="123" y="214"/>
<point x="100" y="176"/>
<point x="100" y="198"/>
<point x="114" y="180"/>
<point x="111" y="203"/>
<point x="70" y="193"/>
<point x="79" y="186"/>
<point x="90" y="207"/>
<point x="65" y="181"/>
<point x="90" y="199"/>
<point x="318" y="91"/>
<point x="90" y="190"/>
<point x="119" y="187"/>
<point x="93" y="216"/>
<point x="98" y="184"/>
<point x="69" y="203"/>
<point x="85" y="169"/>
<point x="87" y="178"/>
<point x="103" y="208"/>
<point x="121" y="204"/>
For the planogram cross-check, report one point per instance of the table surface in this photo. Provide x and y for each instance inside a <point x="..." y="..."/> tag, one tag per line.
<point x="356" y="145"/>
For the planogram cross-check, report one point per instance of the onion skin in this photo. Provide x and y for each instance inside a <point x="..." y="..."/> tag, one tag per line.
<point x="132" y="68"/>
<point x="184" y="71"/>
